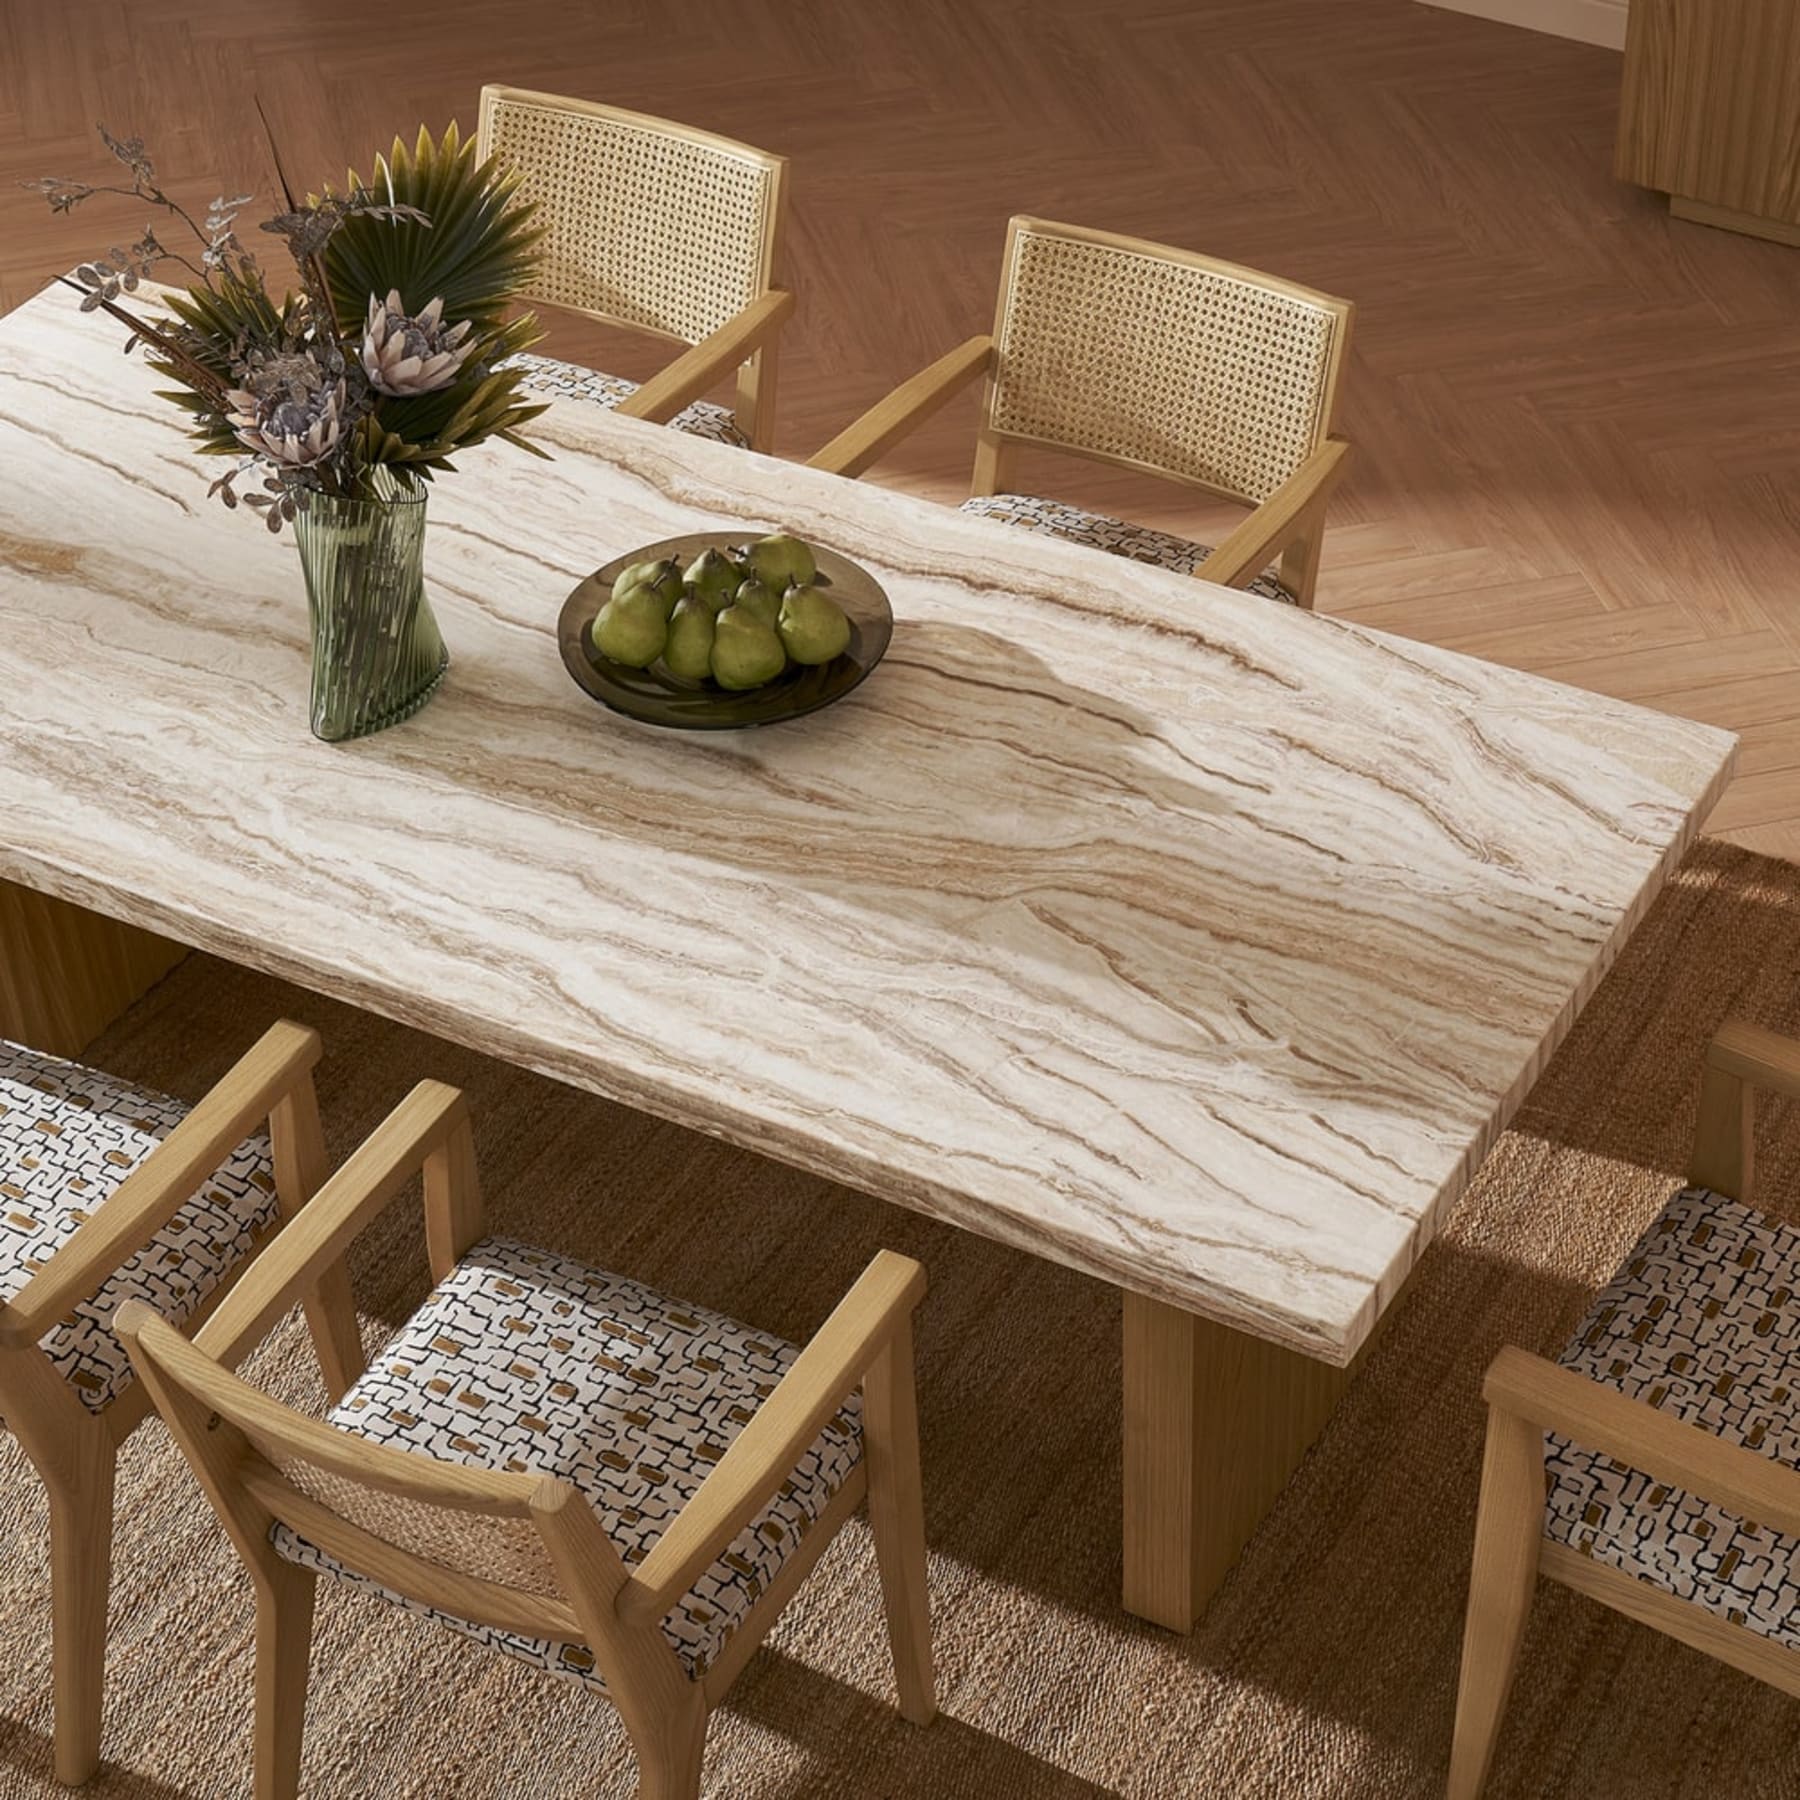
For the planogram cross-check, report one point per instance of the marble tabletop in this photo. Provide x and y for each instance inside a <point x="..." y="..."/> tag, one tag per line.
<point x="1197" y="943"/>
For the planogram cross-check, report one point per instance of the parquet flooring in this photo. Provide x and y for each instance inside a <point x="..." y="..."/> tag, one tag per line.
<point x="1579" y="443"/>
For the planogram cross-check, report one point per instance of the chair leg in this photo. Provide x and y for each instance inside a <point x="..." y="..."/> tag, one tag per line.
<point x="756" y="384"/>
<point x="994" y="462"/>
<point x="1300" y="563"/>
<point x="897" y="1520"/>
<point x="80" y="1576"/>
<point x="337" y="1341"/>
<point x="1508" y="1530"/>
<point x="669" y="1762"/>
<point x="301" y="1168"/>
<point x="284" y="1618"/>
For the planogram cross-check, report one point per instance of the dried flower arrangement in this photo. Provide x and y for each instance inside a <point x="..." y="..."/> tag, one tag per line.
<point x="390" y="358"/>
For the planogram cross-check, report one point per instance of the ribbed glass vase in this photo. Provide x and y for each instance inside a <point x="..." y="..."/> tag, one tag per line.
<point x="377" y="654"/>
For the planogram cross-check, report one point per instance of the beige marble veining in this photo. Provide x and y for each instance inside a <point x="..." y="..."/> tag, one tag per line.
<point x="1197" y="943"/>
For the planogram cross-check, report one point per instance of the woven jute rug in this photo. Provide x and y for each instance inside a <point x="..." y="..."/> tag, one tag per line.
<point x="1327" y="1665"/>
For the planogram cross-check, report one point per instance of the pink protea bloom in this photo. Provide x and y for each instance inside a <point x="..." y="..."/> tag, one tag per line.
<point x="297" y="422"/>
<point x="405" y="355"/>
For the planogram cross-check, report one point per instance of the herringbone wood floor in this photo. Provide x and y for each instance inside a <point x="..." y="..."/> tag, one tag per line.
<point x="1577" y="424"/>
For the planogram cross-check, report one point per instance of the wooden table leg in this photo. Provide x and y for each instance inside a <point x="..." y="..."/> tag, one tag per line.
<point x="66" y="973"/>
<point x="1215" y="1423"/>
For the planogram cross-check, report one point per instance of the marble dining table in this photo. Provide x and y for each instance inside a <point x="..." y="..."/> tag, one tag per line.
<point x="1200" y="944"/>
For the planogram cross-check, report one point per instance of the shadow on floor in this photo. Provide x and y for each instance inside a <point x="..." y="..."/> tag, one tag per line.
<point x="27" y="1755"/>
<point x="946" y="1758"/>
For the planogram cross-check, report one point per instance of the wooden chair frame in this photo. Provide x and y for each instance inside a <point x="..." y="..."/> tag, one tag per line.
<point x="228" y="1428"/>
<point x="749" y="342"/>
<point x="75" y="1451"/>
<point x="1289" y="523"/>
<point x="1528" y="1395"/>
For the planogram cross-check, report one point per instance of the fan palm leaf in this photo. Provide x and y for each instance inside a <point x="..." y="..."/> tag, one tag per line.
<point x="476" y="252"/>
<point x="222" y="317"/>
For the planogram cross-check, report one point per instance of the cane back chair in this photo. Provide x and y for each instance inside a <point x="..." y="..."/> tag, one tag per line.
<point x="1653" y="1467"/>
<point x="661" y="229"/>
<point x="110" y="1192"/>
<point x="1127" y="352"/>
<point x="614" y="1486"/>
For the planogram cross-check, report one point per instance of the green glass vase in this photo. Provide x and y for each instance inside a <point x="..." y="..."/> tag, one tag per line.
<point x="377" y="653"/>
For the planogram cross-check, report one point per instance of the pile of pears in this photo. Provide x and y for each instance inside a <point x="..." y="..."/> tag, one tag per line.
<point x="739" y="618"/>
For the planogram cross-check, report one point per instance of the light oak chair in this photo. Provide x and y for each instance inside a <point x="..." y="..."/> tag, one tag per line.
<point x="1124" y="351"/>
<point x="109" y="1192"/>
<point x="661" y="229"/>
<point x="1666" y="1437"/>
<point x="612" y="1485"/>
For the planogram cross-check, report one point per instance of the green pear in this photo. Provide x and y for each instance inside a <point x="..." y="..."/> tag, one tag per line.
<point x="761" y="599"/>
<point x="714" y="578"/>
<point x="631" y="628"/>
<point x="813" y="626"/>
<point x="638" y="571"/>
<point x="642" y="594"/>
<point x="780" y="559"/>
<point x="746" y="650"/>
<point x="688" y="653"/>
<point x="662" y="578"/>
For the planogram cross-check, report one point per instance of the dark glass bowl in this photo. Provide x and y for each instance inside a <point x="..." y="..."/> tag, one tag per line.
<point x="659" y="698"/>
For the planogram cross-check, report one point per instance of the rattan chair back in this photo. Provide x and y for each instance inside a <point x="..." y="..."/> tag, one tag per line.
<point x="648" y="223"/>
<point x="1131" y="352"/>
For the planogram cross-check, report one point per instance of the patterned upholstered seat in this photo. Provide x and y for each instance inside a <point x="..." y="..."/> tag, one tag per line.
<point x="69" y="1136"/>
<point x="526" y="1361"/>
<point x="1118" y="536"/>
<point x="570" y="381"/>
<point x="1703" y="1321"/>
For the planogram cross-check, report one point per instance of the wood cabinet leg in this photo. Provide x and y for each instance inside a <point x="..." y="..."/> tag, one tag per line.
<point x="66" y="973"/>
<point x="1215" y="1423"/>
<point x="1731" y="218"/>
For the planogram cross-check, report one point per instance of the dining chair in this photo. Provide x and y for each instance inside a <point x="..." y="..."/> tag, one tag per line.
<point x="110" y="1192"/>
<point x="564" y="1464"/>
<point x="1652" y="1466"/>
<point x="661" y="229"/>
<point x="1122" y="351"/>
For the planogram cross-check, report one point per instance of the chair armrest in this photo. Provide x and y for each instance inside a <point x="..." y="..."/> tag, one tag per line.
<point x="422" y="1125"/>
<point x="1765" y="1059"/>
<point x="694" y="371"/>
<point x="1669" y="1449"/>
<point x="1279" y="520"/>
<point x="765" y="1451"/>
<point x="151" y="1195"/>
<point x="870" y="438"/>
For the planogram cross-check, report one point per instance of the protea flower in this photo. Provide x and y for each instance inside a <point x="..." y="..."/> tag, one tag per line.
<point x="289" y="409"/>
<point x="412" y="355"/>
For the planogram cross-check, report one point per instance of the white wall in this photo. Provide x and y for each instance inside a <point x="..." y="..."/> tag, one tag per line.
<point x="1592" y="21"/>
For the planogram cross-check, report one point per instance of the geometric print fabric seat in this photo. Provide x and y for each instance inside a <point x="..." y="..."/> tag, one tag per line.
<point x="525" y="1361"/>
<point x="69" y="1135"/>
<point x="1118" y="537"/>
<point x="1703" y="1322"/>
<point x="570" y="381"/>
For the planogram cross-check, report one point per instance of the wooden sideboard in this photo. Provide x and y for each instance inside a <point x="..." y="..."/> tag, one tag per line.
<point x="1710" y="112"/>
